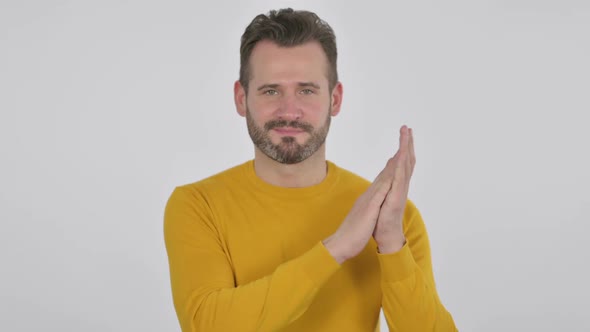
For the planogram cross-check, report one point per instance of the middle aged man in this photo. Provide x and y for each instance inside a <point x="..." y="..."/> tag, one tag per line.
<point x="290" y="241"/>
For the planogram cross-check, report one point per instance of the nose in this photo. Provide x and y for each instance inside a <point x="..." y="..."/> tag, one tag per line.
<point x="289" y="108"/>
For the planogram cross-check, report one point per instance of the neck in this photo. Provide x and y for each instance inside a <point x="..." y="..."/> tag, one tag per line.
<point x="307" y="173"/>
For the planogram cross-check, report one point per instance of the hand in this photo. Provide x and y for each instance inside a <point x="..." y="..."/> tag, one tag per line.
<point x="388" y="232"/>
<point x="356" y="229"/>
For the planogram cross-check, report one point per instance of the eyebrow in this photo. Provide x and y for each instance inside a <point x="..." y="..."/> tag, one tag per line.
<point x="301" y="84"/>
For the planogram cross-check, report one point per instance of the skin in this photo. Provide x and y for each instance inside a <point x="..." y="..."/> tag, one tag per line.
<point x="290" y="83"/>
<point x="287" y="68"/>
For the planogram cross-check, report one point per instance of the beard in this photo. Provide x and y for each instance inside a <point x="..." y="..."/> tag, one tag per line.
<point x="287" y="151"/>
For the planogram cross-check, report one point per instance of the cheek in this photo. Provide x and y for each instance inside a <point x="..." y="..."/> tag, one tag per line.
<point x="313" y="104"/>
<point x="319" y="110"/>
<point x="262" y="108"/>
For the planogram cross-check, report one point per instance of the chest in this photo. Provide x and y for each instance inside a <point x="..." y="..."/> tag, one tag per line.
<point x="260" y="235"/>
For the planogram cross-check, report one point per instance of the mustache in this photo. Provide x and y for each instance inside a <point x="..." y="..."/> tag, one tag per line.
<point x="284" y="123"/>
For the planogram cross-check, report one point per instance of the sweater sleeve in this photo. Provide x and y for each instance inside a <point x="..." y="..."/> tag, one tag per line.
<point x="410" y="300"/>
<point x="204" y="291"/>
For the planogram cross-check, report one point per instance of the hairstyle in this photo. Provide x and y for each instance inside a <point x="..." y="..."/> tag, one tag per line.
<point x="286" y="28"/>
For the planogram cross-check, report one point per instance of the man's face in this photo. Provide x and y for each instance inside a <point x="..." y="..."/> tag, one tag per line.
<point x="288" y="106"/>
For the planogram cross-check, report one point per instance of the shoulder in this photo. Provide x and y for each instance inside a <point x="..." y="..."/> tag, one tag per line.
<point x="225" y="178"/>
<point x="349" y="181"/>
<point x="213" y="185"/>
<point x="348" y="175"/>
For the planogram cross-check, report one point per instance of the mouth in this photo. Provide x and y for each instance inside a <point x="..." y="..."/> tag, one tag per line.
<point x="288" y="130"/>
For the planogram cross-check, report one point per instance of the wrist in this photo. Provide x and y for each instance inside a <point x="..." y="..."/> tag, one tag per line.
<point x="390" y="244"/>
<point x="336" y="249"/>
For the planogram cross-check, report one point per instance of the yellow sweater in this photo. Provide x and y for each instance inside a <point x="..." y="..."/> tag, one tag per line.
<point x="245" y="255"/>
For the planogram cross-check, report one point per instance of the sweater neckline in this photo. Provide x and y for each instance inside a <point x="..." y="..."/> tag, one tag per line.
<point x="299" y="192"/>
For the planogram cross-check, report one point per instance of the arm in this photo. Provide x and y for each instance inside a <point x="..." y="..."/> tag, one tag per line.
<point x="410" y="299"/>
<point x="203" y="288"/>
<point x="205" y="295"/>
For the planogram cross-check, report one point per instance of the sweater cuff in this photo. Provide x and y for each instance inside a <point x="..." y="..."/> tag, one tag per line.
<point x="397" y="266"/>
<point x="318" y="264"/>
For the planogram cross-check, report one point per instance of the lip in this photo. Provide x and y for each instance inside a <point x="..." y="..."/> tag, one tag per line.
<point x="288" y="131"/>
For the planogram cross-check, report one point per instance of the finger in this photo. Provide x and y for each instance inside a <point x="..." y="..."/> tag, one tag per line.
<point x="404" y="137"/>
<point x="408" y="162"/>
<point x="394" y="168"/>
<point x="397" y="195"/>
<point x="411" y="151"/>
<point x="382" y="182"/>
<point x="386" y="171"/>
<point x="401" y="135"/>
<point x="400" y="175"/>
<point x="403" y="169"/>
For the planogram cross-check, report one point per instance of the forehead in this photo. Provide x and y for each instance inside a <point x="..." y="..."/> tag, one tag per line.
<point x="305" y="62"/>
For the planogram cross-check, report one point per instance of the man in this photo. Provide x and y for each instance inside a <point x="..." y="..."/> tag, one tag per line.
<point x="289" y="241"/>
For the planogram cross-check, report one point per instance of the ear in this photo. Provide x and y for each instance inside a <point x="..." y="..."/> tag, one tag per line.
<point x="240" y="98"/>
<point x="336" y="99"/>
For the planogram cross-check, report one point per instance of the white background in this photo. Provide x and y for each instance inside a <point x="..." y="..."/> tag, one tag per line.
<point x="106" y="106"/>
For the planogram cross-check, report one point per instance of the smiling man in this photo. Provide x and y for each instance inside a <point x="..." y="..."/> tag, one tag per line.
<point x="289" y="241"/>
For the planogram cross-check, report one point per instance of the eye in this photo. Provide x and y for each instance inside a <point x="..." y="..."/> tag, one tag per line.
<point x="307" y="91"/>
<point x="271" y="92"/>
